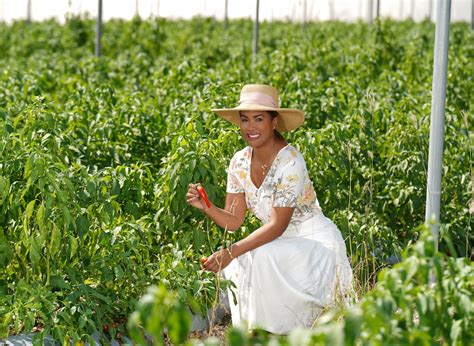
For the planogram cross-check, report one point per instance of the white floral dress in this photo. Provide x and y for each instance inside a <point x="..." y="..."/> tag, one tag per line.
<point x="287" y="282"/>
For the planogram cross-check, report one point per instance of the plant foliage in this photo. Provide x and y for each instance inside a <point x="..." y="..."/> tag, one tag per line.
<point x="96" y="154"/>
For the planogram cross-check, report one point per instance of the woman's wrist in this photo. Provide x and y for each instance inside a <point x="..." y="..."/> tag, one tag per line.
<point x="236" y="250"/>
<point x="207" y="209"/>
<point x="229" y="251"/>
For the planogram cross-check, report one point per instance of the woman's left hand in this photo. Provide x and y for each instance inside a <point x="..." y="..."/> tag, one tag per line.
<point x="217" y="261"/>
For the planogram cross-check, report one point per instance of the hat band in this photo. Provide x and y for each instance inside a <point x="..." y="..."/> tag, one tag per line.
<point x="258" y="98"/>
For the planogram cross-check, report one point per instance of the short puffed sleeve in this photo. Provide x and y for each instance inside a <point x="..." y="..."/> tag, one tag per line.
<point x="235" y="175"/>
<point x="290" y="184"/>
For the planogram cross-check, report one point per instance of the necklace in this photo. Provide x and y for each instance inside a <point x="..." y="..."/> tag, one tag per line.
<point x="265" y="166"/>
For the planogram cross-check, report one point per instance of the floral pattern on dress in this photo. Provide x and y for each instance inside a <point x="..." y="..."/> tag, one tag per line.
<point x="287" y="184"/>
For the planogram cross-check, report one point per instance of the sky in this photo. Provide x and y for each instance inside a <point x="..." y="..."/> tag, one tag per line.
<point x="269" y="9"/>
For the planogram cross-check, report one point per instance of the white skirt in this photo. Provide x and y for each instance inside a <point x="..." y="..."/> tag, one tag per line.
<point x="287" y="282"/>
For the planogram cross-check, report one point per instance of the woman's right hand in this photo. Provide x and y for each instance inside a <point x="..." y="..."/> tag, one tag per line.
<point x="193" y="198"/>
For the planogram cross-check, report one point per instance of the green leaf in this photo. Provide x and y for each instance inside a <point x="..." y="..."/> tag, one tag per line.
<point x="179" y="324"/>
<point x="199" y="238"/>
<point x="35" y="250"/>
<point x="455" y="331"/>
<point x="118" y="271"/>
<point x="74" y="246"/>
<point x="82" y="225"/>
<point x="29" y="209"/>
<point x="4" y="189"/>
<point x="40" y="215"/>
<point x="236" y="337"/>
<point x="55" y="241"/>
<point x="27" y="170"/>
<point x="6" y="253"/>
<point x="58" y="282"/>
<point x="91" y="187"/>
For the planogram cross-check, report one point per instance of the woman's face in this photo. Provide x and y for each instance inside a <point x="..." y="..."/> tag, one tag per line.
<point x="257" y="127"/>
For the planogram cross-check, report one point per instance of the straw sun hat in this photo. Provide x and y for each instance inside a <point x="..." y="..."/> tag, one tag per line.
<point x="259" y="97"/>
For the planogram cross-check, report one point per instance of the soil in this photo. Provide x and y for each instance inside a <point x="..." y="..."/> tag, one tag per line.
<point x="217" y="331"/>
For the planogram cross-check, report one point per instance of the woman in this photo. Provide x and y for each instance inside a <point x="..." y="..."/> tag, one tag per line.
<point x="295" y="264"/>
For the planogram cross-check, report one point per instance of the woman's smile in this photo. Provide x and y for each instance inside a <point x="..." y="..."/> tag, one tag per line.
<point x="253" y="136"/>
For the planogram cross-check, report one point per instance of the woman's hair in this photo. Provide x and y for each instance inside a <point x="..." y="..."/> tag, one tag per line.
<point x="274" y="114"/>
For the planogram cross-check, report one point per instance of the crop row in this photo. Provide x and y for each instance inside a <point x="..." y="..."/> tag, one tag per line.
<point x="96" y="154"/>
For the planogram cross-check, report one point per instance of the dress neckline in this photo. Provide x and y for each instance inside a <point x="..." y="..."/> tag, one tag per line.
<point x="269" y="170"/>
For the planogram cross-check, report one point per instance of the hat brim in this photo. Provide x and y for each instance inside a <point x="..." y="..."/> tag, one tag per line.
<point x="288" y="118"/>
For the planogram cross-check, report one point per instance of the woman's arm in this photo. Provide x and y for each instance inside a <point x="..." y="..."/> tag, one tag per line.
<point x="279" y="221"/>
<point x="231" y="217"/>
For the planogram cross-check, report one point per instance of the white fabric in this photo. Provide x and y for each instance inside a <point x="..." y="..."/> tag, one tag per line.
<point x="288" y="281"/>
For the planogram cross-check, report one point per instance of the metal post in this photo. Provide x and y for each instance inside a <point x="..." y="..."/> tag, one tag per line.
<point x="98" y="45"/>
<point x="412" y="9"/>
<point x="136" y="8"/>
<point x="430" y="10"/>
<point x="369" y="12"/>
<point x="304" y="15"/>
<point x="472" y="14"/>
<point x="157" y="8"/>
<point x="377" y="13"/>
<point x="226" y="15"/>
<point x="255" y="31"/>
<point x="28" y="11"/>
<point x="401" y="9"/>
<point x="438" y="102"/>
<point x="331" y="10"/>
<point x="310" y="11"/>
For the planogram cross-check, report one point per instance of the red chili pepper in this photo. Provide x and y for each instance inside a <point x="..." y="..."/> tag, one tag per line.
<point x="203" y="261"/>
<point x="203" y="195"/>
